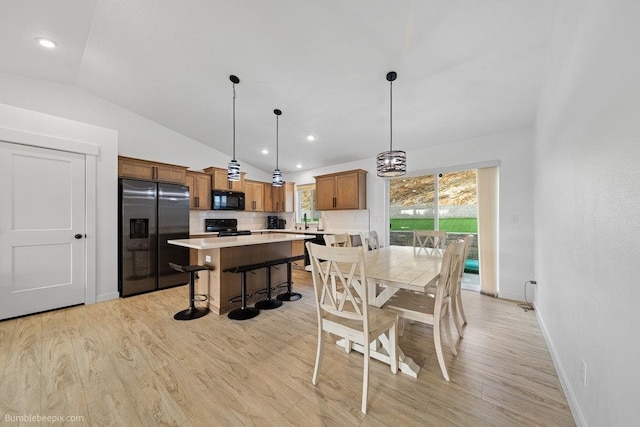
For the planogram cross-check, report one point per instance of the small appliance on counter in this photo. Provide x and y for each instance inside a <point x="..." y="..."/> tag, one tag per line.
<point x="273" y="223"/>
<point x="224" y="227"/>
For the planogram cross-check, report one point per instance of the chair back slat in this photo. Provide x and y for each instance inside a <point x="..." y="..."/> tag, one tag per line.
<point x="468" y="241"/>
<point x="341" y="240"/>
<point x="343" y="266"/>
<point x="431" y="241"/>
<point x="452" y="262"/>
<point x="369" y="240"/>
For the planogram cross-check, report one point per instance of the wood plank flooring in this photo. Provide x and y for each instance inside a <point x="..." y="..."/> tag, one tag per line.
<point x="127" y="362"/>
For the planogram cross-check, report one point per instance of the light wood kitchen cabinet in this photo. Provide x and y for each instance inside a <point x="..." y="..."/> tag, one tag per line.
<point x="129" y="167"/>
<point x="344" y="190"/>
<point x="297" y="248"/>
<point x="254" y="196"/>
<point x="219" y="180"/>
<point x="199" y="190"/>
<point x="279" y="199"/>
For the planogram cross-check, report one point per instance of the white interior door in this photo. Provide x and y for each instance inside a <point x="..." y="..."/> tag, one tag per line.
<point x="42" y="229"/>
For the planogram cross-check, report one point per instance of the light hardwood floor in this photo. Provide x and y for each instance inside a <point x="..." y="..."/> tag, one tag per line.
<point x="127" y="362"/>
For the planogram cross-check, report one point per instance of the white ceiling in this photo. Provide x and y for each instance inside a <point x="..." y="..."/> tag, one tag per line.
<point x="466" y="68"/>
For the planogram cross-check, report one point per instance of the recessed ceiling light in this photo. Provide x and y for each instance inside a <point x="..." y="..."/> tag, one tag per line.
<point x="298" y="165"/>
<point x="46" y="42"/>
<point x="265" y="151"/>
<point x="311" y="138"/>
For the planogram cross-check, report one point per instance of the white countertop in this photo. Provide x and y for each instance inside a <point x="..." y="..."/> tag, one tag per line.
<point x="276" y="230"/>
<point x="309" y="231"/>
<point x="290" y="231"/>
<point x="231" y="241"/>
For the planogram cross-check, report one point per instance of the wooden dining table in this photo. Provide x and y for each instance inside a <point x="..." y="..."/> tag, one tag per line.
<point x="390" y="269"/>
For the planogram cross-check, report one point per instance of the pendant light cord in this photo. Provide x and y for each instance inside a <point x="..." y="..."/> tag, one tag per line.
<point x="391" y="115"/>
<point x="234" y="121"/>
<point x="277" y="121"/>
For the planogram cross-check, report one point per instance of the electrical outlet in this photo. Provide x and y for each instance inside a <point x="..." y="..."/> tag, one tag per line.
<point x="583" y="373"/>
<point x="207" y="258"/>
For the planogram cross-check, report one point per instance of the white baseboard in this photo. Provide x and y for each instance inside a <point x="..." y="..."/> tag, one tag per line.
<point x="107" y="297"/>
<point x="578" y="417"/>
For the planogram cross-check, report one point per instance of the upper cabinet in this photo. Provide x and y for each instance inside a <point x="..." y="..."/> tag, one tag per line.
<point x="344" y="190"/>
<point x="279" y="199"/>
<point x="153" y="171"/>
<point x="220" y="182"/>
<point x="254" y="196"/>
<point x="199" y="190"/>
<point x="259" y="196"/>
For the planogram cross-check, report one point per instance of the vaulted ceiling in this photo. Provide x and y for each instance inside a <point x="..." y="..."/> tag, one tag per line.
<point x="466" y="68"/>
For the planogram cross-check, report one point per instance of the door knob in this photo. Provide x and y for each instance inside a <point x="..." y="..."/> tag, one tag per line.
<point x="78" y="236"/>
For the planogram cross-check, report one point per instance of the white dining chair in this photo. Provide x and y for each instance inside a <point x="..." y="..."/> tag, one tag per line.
<point x="342" y="240"/>
<point x="369" y="240"/>
<point x="434" y="311"/>
<point x="457" y="310"/>
<point x="431" y="241"/>
<point x="348" y="316"/>
<point x="339" y="240"/>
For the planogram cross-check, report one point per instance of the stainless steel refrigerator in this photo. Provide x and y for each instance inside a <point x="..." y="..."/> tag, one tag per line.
<point x="151" y="213"/>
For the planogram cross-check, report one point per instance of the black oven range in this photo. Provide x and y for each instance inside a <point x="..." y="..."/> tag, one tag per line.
<point x="224" y="227"/>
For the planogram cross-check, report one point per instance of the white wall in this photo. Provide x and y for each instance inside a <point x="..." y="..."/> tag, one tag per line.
<point x="106" y="168"/>
<point x="132" y="135"/>
<point x="587" y="197"/>
<point x="137" y="136"/>
<point x="514" y="152"/>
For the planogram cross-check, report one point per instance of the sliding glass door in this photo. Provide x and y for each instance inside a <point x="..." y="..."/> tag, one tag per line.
<point x="444" y="201"/>
<point x="411" y="207"/>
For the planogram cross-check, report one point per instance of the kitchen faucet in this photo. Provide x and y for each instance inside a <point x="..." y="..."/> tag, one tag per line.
<point x="306" y="227"/>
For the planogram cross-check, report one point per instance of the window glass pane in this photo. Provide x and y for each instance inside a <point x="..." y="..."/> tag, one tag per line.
<point x="307" y="204"/>
<point x="458" y="202"/>
<point x="411" y="207"/>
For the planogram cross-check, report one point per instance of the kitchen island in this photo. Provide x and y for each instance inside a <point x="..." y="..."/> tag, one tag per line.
<point x="221" y="253"/>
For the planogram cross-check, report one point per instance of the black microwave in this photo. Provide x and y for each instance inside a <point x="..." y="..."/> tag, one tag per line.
<point x="227" y="200"/>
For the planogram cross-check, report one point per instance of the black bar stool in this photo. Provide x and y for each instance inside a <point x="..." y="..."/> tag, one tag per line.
<point x="244" y="312"/>
<point x="192" y="312"/>
<point x="270" y="303"/>
<point x="290" y="296"/>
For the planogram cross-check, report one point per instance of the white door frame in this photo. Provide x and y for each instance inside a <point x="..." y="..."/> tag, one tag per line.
<point x="91" y="153"/>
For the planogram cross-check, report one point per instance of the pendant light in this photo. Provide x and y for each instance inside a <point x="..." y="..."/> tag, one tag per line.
<point x="233" y="170"/>
<point x="393" y="162"/>
<point x="276" y="179"/>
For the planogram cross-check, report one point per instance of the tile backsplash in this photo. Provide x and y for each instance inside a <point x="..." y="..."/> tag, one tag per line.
<point x="351" y="221"/>
<point x="246" y="220"/>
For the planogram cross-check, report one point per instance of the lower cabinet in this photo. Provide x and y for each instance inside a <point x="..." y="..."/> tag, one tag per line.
<point x="297" y="248"/>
